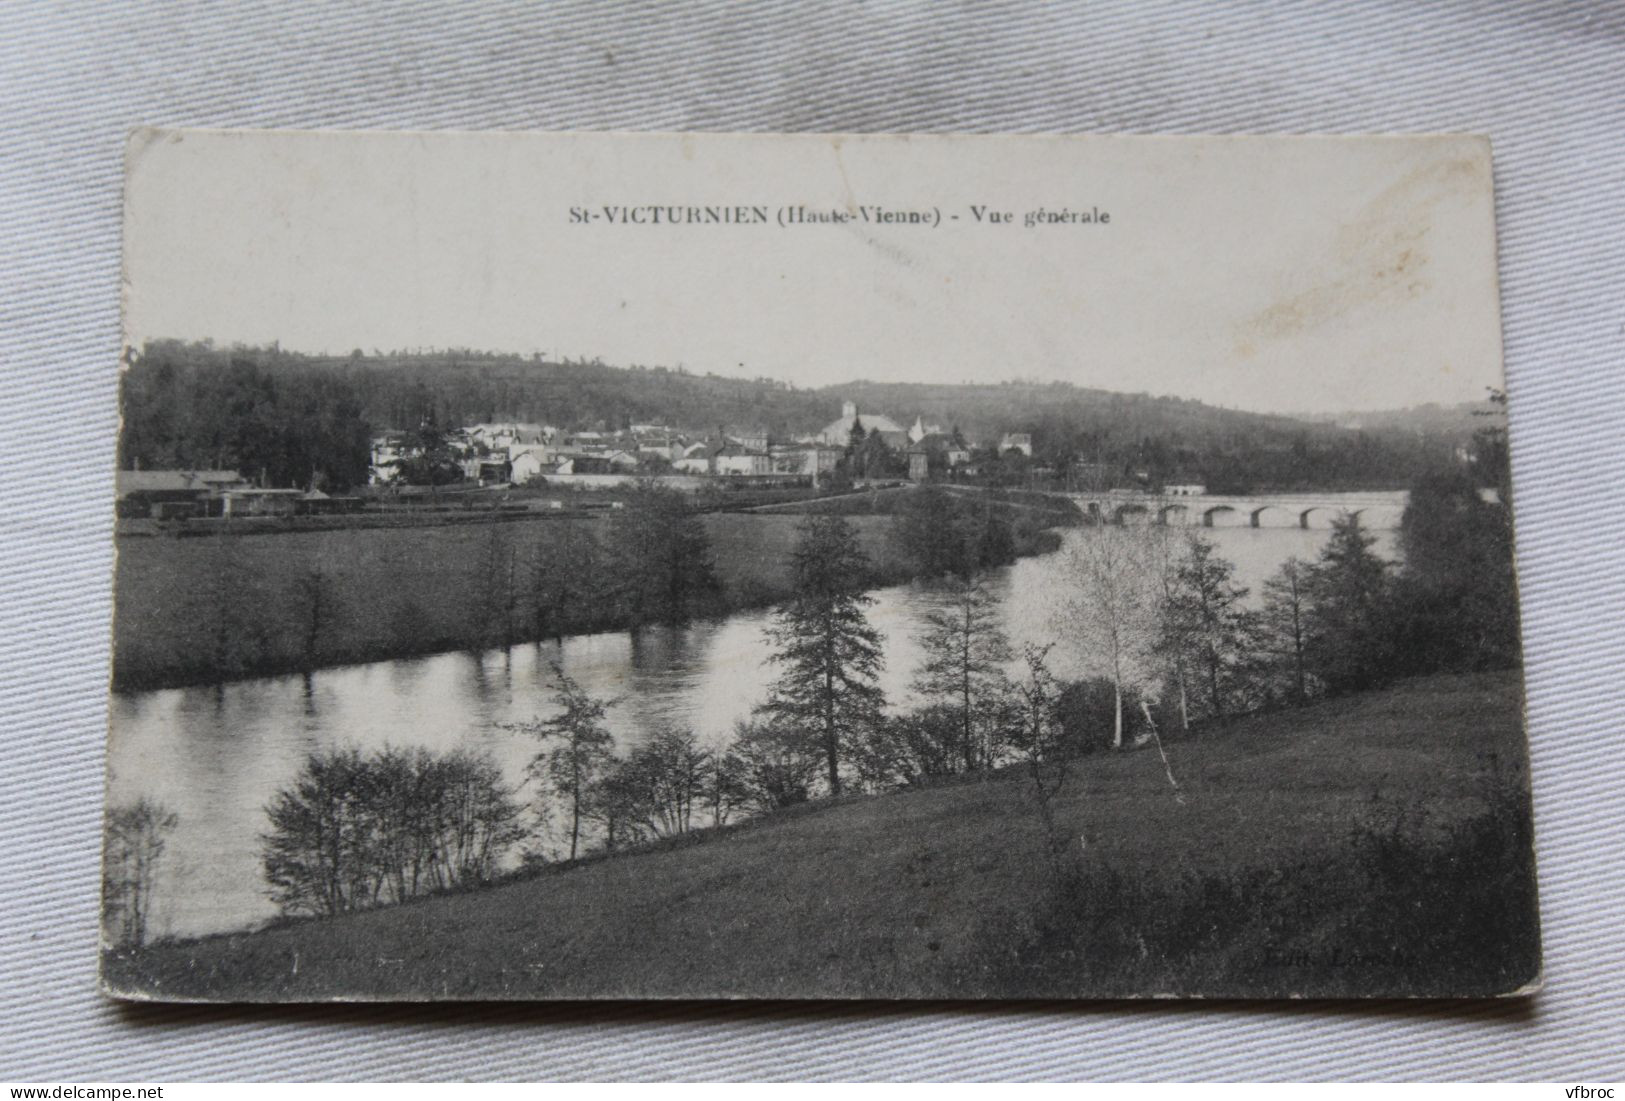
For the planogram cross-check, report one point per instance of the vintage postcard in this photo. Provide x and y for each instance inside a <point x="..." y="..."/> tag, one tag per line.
<point x="753" y="566"/>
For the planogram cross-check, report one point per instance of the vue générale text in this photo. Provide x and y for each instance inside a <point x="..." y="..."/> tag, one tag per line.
<point x="797" y="214"/>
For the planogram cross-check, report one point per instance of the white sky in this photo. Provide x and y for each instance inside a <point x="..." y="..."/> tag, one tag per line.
<point x="1292" y="275"/>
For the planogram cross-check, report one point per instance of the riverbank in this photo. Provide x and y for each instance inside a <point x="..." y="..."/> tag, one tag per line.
<point x="206" y="610"/>
<point x="472" y="505"/>
<point x="1357" y="844"/>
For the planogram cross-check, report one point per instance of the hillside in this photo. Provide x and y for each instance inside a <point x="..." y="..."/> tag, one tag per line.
<point x="1461" y="420"/>
<point x="471" y="387"/>
<point x="286" y="414"/>
<point x="1368" y="843"/>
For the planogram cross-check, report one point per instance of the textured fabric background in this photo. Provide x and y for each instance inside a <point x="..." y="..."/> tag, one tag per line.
<point x="1546" y="81"/>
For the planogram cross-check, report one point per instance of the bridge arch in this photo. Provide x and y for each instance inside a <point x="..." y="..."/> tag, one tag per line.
<point x="1166" y="511"/>
<point x="1274" y="516"/>
<point x="1321" y="517"/>
<point x="1142" y="512"/>
<point x="1224" y="516"/>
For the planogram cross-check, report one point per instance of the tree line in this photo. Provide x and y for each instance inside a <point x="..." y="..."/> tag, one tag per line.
<point x="293" y="420"/>
<point x="652" y="564"/>
<point x="297" y="427"/>
<point x="336" y="839"/>
<point x="354" y="831"/>
<point x="1173" y="641"/>
<point x="1179" y="640"/>
<point x="1174" y="646"/>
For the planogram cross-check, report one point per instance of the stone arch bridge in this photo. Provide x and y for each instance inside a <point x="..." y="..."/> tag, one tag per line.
<point x="1288" y="510"/>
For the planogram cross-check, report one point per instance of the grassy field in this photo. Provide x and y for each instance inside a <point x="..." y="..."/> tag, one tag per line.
<point x="1365" y="844"/>
<point x="193" y="610"/>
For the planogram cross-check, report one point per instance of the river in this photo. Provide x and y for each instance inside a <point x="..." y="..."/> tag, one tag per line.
<point x="216" y="755"/>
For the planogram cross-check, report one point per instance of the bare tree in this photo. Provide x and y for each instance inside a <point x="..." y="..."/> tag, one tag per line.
<point x="1041" y="741"/>
<point x="660" y="556"/>
<point x="312" y="852"/>
<point x="1203" y="625"/>
<point x="316" y="601"/>
<point x="564" y="579"/>
<point x="619" y="802"/>
<point x="1172" y="642"/>
<point x="1285" y="622"/>
<point x="1110" y="609"/>
<point x="776" y="764"/>
<point x="669" y="771"/>
<point x="133" y="844"/>
<point x="725" y="791"/>
<point x="965" y="654"/>
<point x="352" y="832"/>
<point x="235" y="645"/>
<point x="582" y="750"/>
<point x="498" y="593"/>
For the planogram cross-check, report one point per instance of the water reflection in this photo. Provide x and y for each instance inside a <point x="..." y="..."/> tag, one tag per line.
<point x="216" y="755"/>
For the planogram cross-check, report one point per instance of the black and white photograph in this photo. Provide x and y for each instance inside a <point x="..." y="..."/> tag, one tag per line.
<point x="754" y="566"/>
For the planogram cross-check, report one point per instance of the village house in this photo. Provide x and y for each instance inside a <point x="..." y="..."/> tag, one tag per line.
<point x="694" y="459"/>
<point x="751" y="439"/>
<point x="493" y="470"/>
<point x="735" y="461"/>
<point x="1017" y="441"/>
<point x="595" y="464"/>
<point x="387" y="453"/>
<point x="920" y="430"/>
<point x="723" y="455"/>
<point x="954" y="451"/>
<point x="527" y="463"/>
<point x="804" y="458"/>
<point x="196" y="494"/>
<point x="172" y="494"/>
<point x="728" y="457"/>
<point x="948" y="454"/>
<point x="502" y="436"/>
<point x="919" y="464"/>
<point x="839" y="432"/>
<point x="545" y="451"/>
<point x="657" y="444"/>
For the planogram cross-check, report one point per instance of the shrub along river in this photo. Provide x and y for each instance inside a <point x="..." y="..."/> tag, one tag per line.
<point x="215" y="755"/>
